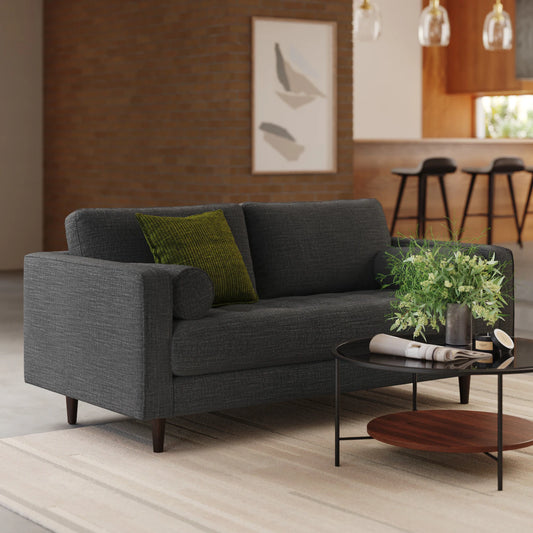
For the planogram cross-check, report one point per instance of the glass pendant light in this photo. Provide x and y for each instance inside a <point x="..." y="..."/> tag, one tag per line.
<point x="434" y="25"/>
<point x="367" y="22"/>
<point x="498" y="30"/>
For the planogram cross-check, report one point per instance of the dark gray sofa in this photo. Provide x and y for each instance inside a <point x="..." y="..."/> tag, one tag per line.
<point x="105" y="325"/>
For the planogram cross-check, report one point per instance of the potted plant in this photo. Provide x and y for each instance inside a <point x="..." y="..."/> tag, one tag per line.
<point x="444" y="284"/>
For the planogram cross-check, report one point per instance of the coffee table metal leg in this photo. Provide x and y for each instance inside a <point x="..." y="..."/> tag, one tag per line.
<point x="414" y="391"/>
<point x="337" y="406"/>
<point x="500" y="432"/>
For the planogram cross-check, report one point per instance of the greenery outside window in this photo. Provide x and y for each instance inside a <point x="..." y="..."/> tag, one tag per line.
<point x="500" y="117"/>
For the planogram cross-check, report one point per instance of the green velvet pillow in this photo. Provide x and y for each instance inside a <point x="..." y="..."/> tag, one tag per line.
<point x="204" y="241"/>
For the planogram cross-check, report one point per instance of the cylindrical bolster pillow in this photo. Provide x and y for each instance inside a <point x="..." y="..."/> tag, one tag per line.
<point x="192" y="291"/>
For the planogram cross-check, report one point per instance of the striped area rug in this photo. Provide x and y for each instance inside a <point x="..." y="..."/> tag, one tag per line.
<point x="270" y="469"/>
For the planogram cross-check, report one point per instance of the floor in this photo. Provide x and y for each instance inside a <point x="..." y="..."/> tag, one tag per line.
<point x="26" y="409"/>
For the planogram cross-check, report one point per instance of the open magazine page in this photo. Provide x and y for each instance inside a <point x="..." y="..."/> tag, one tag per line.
<point x="388" y="344"/>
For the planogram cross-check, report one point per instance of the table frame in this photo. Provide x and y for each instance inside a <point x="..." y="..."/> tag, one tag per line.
<point x="338" y="438"/>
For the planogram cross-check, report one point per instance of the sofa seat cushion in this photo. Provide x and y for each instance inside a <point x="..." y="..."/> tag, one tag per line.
<point x="276" y="331"/>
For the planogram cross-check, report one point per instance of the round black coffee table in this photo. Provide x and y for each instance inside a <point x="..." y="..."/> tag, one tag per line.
<point x="441" y="430"/>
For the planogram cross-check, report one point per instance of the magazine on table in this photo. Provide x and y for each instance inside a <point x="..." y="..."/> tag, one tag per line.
<point x="421" y="364"/>
<point x="391" y="345"/>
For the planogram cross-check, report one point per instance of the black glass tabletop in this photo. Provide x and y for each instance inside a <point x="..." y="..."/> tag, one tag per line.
<point x="357" y="351"/>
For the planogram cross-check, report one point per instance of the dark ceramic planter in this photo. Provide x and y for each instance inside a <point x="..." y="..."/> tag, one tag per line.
<point x="458" y="325"/>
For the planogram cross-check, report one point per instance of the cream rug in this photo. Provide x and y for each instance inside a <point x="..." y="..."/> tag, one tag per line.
<point x="270" y="469"/>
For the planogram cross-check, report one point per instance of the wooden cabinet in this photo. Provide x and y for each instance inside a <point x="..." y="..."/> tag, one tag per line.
<point x="471" y="68"/>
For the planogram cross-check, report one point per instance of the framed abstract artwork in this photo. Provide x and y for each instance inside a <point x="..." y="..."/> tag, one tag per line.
<point x="294" y="96"/>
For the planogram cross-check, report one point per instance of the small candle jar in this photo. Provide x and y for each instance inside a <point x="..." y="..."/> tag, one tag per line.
<point x="483" y="343"/>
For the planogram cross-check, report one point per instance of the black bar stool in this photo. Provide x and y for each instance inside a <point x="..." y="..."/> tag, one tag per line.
<point x="526" y="207"/>
<point x="501" y="165"/>
<point x="434" y="166"/>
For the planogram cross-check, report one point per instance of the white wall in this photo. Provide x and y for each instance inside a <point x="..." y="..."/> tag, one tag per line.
<point x="21" y="167"/>
<point x="388" y="76"/>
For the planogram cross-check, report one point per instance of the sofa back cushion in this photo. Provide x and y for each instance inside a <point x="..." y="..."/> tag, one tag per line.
<point x="115" y="234"/>
<point x="315" y="247"/>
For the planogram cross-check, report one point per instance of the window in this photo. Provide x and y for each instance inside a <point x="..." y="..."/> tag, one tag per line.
<point x="504" y="117"/>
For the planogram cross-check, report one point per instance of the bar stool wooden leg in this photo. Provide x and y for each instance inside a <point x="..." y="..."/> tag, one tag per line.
<point x="490" y="209"/>
<point x="421" y="214"/>
<point x="398" y="202"/>
<point x="526" y="207"/>
<point x="515" y="213"/>
<point x="468" y="198"/>
<point x="446" y="210"/>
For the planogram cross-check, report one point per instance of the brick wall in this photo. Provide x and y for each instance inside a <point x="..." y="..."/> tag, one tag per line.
<point x="148" y="102"/>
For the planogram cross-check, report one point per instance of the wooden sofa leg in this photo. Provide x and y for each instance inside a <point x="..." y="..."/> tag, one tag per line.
<point x="464" y="388"/>
<point x="158" y="434"/>
<point x="72" y="410"/>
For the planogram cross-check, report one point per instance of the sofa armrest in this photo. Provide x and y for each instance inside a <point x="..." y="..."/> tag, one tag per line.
<point x="503" y="255"/>
<point x="99" y="331"/>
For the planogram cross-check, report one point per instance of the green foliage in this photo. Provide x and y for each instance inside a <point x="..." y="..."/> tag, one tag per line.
<point x="430" y="275"/>
<point x="503" y="120"/>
